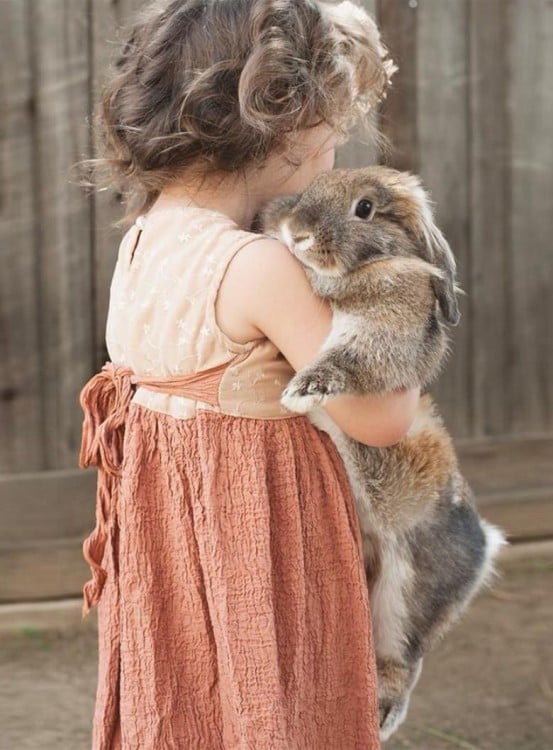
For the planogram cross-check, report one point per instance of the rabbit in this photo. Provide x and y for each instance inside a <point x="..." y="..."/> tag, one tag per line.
<point x="370" y="246"/>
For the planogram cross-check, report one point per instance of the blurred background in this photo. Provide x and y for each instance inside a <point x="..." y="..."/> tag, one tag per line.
<point x="471" y="110"/>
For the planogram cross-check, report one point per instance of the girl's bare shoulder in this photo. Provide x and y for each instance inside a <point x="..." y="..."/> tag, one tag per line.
<point x="265" y="291"/>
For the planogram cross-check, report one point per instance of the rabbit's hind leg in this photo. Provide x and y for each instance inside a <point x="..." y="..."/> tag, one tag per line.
<point x="390" y="592"/>
<point x="453" y="557"/>
<point x="396" y="683"/>
<point x="444" y="562"/>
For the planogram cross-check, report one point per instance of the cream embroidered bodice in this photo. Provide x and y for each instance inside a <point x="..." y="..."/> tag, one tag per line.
<point x="161" y="316"/>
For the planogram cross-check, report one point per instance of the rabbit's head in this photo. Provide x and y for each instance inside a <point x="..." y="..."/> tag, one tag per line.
<point x="348" y="218"/>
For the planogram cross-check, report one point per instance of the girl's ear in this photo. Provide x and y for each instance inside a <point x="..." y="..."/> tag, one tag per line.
<point x="436" y="250"/>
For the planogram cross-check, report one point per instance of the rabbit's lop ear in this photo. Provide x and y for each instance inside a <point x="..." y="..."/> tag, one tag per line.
<point x="438" y="252"/>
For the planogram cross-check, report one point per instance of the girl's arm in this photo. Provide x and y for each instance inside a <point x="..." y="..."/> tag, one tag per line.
<point x="265" y="291"/>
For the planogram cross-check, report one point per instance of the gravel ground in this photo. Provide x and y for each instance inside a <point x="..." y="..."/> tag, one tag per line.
<point x="488" y="686"/>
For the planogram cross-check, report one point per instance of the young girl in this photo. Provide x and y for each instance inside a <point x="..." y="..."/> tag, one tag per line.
<point x="233" y="608"/>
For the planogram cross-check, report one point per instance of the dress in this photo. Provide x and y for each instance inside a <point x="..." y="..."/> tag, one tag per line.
<point x="233" y="609"/>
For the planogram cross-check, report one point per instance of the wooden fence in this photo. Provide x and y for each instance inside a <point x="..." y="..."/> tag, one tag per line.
<point x="471" y="110"/>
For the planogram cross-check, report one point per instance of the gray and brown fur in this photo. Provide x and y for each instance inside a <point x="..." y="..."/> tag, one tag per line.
<point x="390" y="281"/>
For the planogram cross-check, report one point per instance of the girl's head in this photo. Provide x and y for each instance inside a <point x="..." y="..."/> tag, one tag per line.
<point x="216" y="87"/>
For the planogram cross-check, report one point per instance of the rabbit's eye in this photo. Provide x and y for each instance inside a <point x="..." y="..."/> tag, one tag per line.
<point x="364" y="209"/>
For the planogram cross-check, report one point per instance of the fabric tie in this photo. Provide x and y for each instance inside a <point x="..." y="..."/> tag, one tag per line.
<point x="105" y="400"/>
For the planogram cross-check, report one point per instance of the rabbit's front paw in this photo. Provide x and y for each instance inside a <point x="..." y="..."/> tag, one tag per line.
<point x="306" y="391"/>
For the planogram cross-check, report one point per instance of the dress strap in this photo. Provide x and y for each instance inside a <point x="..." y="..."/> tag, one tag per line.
<point x="105" y="400"/>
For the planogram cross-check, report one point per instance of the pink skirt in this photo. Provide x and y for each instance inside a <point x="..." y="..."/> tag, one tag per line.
<point x="235" y="611"/>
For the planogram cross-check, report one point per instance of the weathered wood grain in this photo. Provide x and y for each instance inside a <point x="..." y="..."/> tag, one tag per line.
<point x="398" y="115"/>
<point x="470" y="109"/>
<point x="443" y="144"/>
<point x="512" y="479"/>
<point x="42" y="570"/>
<point x="21" y="398"/>
<point x="108" y="22"/>
<point x="60" y="39"/>
<point x="46" y="505"/>
<point x="490" y="206"/>
<point x="46" y="517"/>
<point x="360" y="150"/>
<point x="529" y="258"/>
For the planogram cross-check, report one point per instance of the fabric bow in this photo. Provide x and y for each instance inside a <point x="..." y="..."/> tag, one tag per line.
<point x="105" y="400"/>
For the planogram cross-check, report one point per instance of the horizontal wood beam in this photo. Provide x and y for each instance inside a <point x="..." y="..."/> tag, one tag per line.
<point x="42" y="570"/>
<point x="46" y="505"/>
<point x="45" y="516"/>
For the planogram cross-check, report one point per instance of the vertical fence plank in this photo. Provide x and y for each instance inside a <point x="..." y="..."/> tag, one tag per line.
<point x="20" y="366"/>
<point x="398" y="115"/>
<point x="442" y="136"/>
<point x="107" y="20"/>
<point x="531" y="215"/>
<point x="490" y="178"/>
<point x="60" y="40"/>
<point x="470" y="108"/>
<point x="359" y="151"/>
<point x="425" y="121"/>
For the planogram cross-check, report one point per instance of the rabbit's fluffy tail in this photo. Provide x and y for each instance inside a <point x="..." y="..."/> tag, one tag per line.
<point x="495" y="541"/>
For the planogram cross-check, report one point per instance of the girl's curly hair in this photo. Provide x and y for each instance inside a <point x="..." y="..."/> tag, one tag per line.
<point x="219" y="84"/>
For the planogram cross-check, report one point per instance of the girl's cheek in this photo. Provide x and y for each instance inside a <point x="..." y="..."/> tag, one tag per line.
<point x="327" y="160"/>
